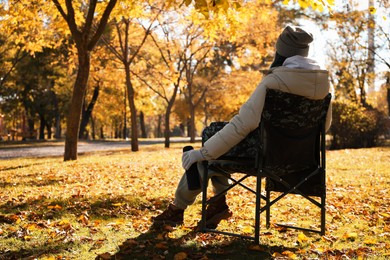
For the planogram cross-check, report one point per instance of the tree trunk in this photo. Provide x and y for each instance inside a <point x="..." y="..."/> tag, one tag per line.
<point x="42" y="125"/>
<point x="124" y="116"/>
<point x="57" y="121"/>
<point x="192" y="124"/>
<point x="85" y="42"/>
<point x="167" y="131"/>
<point x="142" y="125"/>
<point x="86" y="115"/>
<point x="388" y="91"/>
<point x="101" y="133"/>
<point x="30" y="126"/>
<point x="158" y="130"/>
<point x="73" y="123"/>
<point x="133" y="111"/>
<point x="49" y="132"/>
<point x="93" y="131"/>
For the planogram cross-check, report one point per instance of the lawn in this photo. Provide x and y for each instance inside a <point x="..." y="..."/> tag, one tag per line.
<point x="100" y="207"/>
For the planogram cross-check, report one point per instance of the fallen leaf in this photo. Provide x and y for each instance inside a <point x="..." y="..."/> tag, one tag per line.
<point x="351" y="236"/>
<point x="161" y="245"/>
<point x="180" y="256"/>
<point x="289" y="254"/>
<point x="369" y="241"/>
<point x="55" y="207"/>
<point x="302" y="238"/>
<point x="83" y="219"/>
<point x="105" y="256"/>
<point x="247" y="229"/>
<point x="276" y="254"/>
<point x="256" y="248"/>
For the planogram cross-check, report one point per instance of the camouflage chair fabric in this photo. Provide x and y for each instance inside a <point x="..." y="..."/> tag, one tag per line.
<point x="282" y="113"/>
<point x="291" y="124"/>
<point x="240" y="158"/>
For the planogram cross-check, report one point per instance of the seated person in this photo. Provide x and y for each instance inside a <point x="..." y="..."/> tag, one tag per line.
<point x="291" y="71"/>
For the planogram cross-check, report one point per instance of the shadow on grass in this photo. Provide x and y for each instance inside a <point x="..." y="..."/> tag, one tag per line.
<point x="42" y="208"/>
<point x="183" y="242"/>
<point x="36" y="252"/>
<point x="156" y="243"/>
<point x="159" y="242"/>
<point x="20" y="167"/>
<point x="33" y="183"/>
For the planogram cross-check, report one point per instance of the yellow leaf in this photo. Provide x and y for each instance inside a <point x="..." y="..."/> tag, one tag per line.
<point x="331" y="2"/>
<point x="117" y="204"/>
<point x="83" y="219"/>
<point x="119" y="222"/>
<point x="31" y="227"/>
<point x="247" y="229"/>
<point x="63" y="222"/>
<point x="54" y="207"/>
<point x="289" y="254"/>
<point x="303" y="4"/>
<point x="236" y="5"/>
<point x="370" y="241"/>
<point x="351" y="235"/>
<point x="317" y="6"/>
<point x="302" y="238"/>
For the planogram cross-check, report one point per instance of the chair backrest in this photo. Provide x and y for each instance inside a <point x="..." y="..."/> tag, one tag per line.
<point x="290" y="128"/>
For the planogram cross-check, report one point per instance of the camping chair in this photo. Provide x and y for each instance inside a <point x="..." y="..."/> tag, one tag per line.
<point x="287" y="150"/>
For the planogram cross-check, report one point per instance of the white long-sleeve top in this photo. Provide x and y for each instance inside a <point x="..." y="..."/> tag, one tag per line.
<point x="298" y="75"/>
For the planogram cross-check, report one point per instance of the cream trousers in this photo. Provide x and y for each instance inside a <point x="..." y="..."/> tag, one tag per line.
<point x="185" y="197"/>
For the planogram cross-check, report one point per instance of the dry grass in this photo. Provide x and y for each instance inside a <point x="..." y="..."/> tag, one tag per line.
<point x="101" y="204"/>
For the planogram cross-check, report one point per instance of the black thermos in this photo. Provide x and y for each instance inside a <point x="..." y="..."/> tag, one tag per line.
<point x="192" y="173"/>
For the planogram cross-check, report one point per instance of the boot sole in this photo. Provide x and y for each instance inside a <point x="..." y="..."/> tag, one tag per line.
<point x="167" y="222"/>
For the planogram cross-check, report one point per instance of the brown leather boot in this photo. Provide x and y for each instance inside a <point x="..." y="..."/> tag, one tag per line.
<point x="172" y="216"/>
<point x="216" y="211"/>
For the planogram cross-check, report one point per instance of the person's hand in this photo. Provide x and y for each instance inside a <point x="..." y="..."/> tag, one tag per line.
<point x="190" y="157"/>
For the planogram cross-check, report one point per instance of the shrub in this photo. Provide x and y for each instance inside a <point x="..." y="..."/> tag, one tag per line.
<point x="354" y="126"/>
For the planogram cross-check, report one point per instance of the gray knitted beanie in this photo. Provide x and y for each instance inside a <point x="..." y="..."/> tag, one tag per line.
<point x="293" y="41"/>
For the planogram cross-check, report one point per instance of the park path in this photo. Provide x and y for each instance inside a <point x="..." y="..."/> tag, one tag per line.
<point x="57" y="149"/>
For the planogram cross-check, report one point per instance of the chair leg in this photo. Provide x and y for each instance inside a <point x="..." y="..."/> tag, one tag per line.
<point x="268" y="209"/>
<point x="204" y="196"/>
<point x="257" y="209"/>
<point x="323" y="213"/>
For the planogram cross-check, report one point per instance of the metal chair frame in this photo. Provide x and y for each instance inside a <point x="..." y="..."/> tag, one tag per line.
<point x="284" y="187"/>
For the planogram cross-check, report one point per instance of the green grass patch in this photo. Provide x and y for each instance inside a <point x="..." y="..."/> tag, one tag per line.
<point x="101" y="205"/>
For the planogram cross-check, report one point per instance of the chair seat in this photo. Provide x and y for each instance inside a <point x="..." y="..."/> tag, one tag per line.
<point x="229" y="165"/>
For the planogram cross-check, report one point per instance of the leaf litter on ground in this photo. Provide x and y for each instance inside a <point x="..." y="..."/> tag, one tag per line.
<point x="101" y="205"/>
